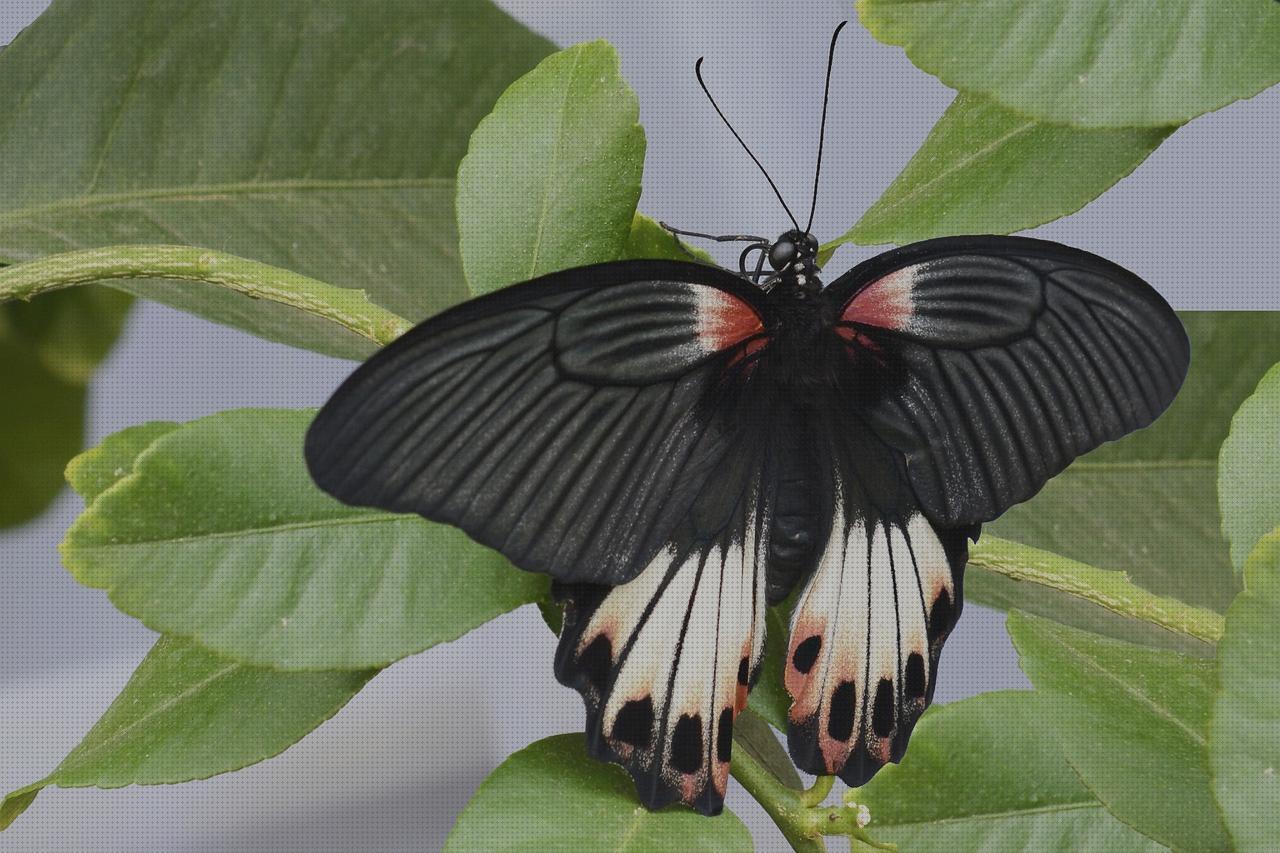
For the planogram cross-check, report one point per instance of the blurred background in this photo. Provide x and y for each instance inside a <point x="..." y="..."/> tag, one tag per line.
<point x="392" y="770"/>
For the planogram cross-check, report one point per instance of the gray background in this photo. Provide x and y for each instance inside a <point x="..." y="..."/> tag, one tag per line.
<point x="1199" y="220"/>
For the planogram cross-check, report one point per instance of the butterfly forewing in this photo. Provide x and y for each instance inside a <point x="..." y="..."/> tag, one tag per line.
<point x="1014" y="356"/>
<point x="568" y="422"/>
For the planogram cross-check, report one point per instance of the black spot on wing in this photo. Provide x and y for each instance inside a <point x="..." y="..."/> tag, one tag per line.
<point x="724" y="736"/>
<point x="806" y="654"/>
<point x="634" y="724"/>
<point x="882" y="709"/>
<point x="915" y="683"/>
<point x="686" y="744"/>
<point x="840" y="715"/>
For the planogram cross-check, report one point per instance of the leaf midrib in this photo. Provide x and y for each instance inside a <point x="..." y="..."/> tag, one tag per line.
<point x="1125" y="687"/>
<point x="340" y="521"/>
<point x="157" y="710"/>
<point x="1052" y="808"/>
<point x="208" y="192"/>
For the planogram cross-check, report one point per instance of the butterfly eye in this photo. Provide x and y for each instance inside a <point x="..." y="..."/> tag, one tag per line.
<point x="782" y="253"/>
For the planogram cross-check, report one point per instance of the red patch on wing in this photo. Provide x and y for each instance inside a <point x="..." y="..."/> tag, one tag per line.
<point x="723" y="319"/>
<point x="885" y="303"/>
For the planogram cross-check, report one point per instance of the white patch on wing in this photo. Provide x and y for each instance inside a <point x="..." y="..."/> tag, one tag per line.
<point x="686" y="668"/>
<point x="911" y="602"/>
<point x="931" y="560"/>
<point x="646" y="670"/>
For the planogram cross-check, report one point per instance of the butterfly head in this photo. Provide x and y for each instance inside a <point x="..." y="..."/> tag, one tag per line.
<point x="794" y="250"/>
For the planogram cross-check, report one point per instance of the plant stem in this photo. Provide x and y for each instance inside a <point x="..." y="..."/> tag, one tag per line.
<point x="1107" y="589"/>
<point x="348" y="308"/>
<point x="783" y="804"/>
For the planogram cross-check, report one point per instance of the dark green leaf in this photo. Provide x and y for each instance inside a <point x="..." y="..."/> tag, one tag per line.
<point x="1133" y="723"/>
<point x="1092" y="63"/>
<point x="41" y="427"/>
<point x="218" y="534"/>
<point x="48" y="351"/>
<point x="1244" y="736"/>
<point x="987" y="170"/>
<point x="551" y="797"/>
<point x="752" y="733"/>
<point x="322" y="137"/>
<point x="188" y="714"/>
<point x="1146" y="505"/>
<point x="552" y="176"/>
<point x="1249" y="470"/>
<point x="71" y="332"/>
<point x="987" y="774"/>
<point x="769" y="698"/>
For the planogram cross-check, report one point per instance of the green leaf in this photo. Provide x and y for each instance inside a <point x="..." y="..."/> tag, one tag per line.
<point x="98" y="469"/>
<point x="41" y="427"/>
<point x="187" y="714"/>
<point x="321" y="137"/>
<point x="1146" y="505"/>
<point x="1249" y="470"/>
<point x="552" y="175"/>
<point x="218" y="534"/>
<point x="1092" y="63"/>
<point x="987" y="170"/>
<point x="551" y="796"/>
<point x="1132" y="721"/>
<point x="69" y="332"/>
<point x="48" y="351"/>
<point x="986" y="773"/>
<point x="1244" y="736"/>
<point x="648" y="239"/>
<point x="753" y="734"/>
<point x="769" y="698"/>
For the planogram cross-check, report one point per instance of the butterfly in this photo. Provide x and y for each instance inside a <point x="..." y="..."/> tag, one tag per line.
<point x="680" y="447"/>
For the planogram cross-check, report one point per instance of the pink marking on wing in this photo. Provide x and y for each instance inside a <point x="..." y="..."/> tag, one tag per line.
<point x="885" y="303"/>
<point x="723" y="320"/>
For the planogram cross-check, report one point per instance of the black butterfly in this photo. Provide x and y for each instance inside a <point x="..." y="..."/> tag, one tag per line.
<point x="679" y="446"/>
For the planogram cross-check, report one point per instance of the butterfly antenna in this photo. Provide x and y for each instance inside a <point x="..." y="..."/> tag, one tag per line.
<point x="822" y="130"/>
<point x="697" y="70"/>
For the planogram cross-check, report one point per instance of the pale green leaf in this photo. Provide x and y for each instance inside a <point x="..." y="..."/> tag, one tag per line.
<point x="188" y="714"/>
<point x="551" y="796"/>
<point x="1244" y="736"/>
<point x="648" y="239"/>
<point x="1249" y="470"/>
<point x="1092" y="63"/>
<point x="1133" y="723"/>
<point x="987" y="170"/>
<point x="218" y="534"/>
<point x="99" y="468"/>
<point x="986" y="773"/>
<point x="552" y="175"/>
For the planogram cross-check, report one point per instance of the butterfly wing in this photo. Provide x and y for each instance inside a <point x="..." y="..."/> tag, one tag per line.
<point x="664" y="663"/>
<point x="1001" y="359"/>
<point x="568" y="422"/>
<point x="972" y="371"/>
<point x="868" y="626"/>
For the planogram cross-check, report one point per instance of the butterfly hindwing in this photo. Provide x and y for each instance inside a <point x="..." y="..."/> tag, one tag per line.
<point x="1002" y="359"/>
<point x="568" y="422"/>
<point x="664" y="662"/>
